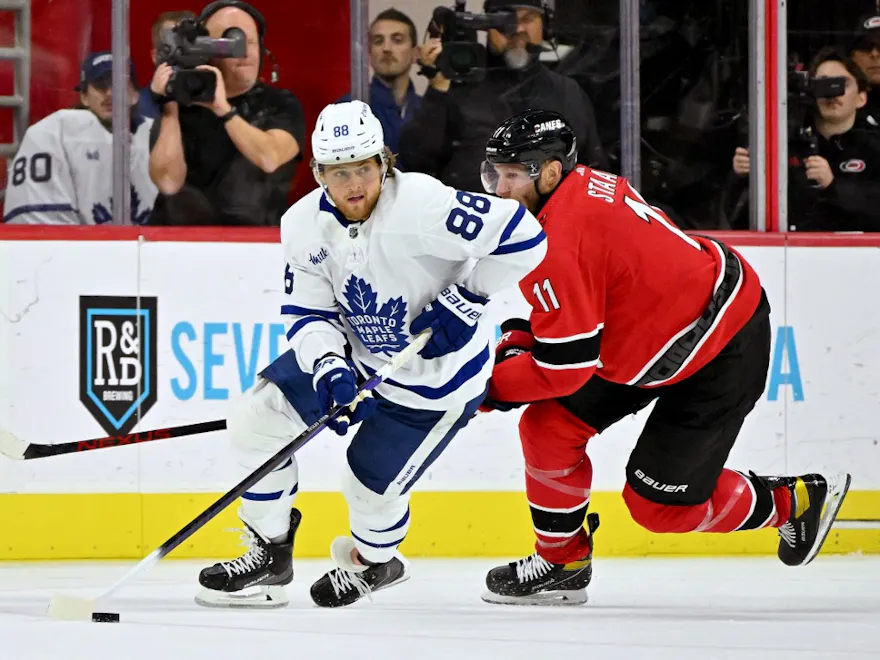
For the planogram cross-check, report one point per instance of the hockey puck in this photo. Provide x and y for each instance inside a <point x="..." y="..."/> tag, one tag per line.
<point x="105" y="617"/>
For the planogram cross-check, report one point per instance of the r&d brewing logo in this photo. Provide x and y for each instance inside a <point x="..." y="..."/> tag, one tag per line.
<point x="117" y="368"/>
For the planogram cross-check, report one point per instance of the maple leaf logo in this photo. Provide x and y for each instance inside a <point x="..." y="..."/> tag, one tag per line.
<point x="102" y="215"/>
<point x="380" y="329"/>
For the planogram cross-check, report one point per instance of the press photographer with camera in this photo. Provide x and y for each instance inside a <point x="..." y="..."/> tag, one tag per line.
<point x="225" y="148"/>
<point x="473" y="89"/>
<point x="834" y="172"/>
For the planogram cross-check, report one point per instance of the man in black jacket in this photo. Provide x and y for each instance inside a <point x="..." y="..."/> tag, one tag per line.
<point x="836" y="186"/>
<point x="447" y="136"/>
<point x="228" y="162"/>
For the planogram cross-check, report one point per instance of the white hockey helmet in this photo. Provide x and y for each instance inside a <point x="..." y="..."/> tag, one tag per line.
<point x="347" y="133"/>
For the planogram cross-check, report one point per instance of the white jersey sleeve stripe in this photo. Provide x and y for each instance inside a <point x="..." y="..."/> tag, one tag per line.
<point x="37" y="208"/>
<point x="564" y="340"/>
<point x="562" y="367"/>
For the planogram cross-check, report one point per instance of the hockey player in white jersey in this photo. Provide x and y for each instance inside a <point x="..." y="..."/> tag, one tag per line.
<point x="63" y="170"/>
<point x="373" y="257"/>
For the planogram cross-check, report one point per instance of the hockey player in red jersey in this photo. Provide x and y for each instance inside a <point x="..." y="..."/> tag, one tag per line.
<point x="626" y="310"/>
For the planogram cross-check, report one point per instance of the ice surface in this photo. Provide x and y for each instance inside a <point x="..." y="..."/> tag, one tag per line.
<point x="685" y="609"/>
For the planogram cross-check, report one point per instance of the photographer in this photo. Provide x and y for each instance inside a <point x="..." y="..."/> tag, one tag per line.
<point x="222" y="156"/>
<point x="865" y="52"/>
<point x="834" y="173"/>
<point x="166" y="21"/>
<point x="447" y="136"/>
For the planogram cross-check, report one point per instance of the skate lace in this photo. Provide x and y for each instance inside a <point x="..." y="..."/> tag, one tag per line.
<point x="788" y="534"/>
<point x="250" y="560"/>
<point x="532" y="567"/>
<point x="343" y="581"/>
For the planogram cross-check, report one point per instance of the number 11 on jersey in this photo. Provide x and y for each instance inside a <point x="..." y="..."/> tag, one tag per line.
<point x="551" y="295"/>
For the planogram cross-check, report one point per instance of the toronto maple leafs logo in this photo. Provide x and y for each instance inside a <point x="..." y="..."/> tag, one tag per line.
<point x="101" y="214"/>
<point x="380" y="329"/>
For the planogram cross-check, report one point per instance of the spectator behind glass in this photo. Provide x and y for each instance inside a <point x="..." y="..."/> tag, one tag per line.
<point x="164" y="21"/>
<point x="231" y="161"/>
<point x="865" y="52"/>
<point x="393" y="51"/>
<point x="63" y="171"/>
<point x="447" y="136"/>
<point x="836" y="188"/>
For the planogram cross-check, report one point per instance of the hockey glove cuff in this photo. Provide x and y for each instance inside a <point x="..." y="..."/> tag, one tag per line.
<point x="335" y="382"/>
<point x="452" y="317"/>
<point x="516" y="339"/>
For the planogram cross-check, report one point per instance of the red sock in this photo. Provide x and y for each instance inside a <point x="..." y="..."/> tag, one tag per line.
<point x="558" y="479"/>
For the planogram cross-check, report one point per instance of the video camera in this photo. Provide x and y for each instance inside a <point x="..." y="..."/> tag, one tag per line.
<point x="463" y="58"/>
<point x="187" y="46"/>
<point x="804" y="91"/>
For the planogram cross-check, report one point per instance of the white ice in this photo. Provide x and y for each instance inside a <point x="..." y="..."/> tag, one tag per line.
<point x="639" y="608"/>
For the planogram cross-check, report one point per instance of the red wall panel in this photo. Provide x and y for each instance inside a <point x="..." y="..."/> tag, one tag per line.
<point x="310" y="41"/>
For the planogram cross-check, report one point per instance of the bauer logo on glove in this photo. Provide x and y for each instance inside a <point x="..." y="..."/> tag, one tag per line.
<point x="452" y="317"/>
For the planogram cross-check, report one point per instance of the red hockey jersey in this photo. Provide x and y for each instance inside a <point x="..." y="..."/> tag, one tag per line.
<point x="623" y="292"/>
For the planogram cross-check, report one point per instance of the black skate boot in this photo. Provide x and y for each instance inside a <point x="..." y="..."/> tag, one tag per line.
<point x="535" y="581"/>
<point x="815" y="502"/>
<point x="350" y="582"/>
<point x="255" y="579"/>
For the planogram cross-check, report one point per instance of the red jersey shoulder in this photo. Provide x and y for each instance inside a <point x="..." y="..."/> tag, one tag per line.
<point x="589" y="187"/>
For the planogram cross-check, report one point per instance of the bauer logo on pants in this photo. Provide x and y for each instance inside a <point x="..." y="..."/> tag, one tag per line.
<point x="117" y="367"/>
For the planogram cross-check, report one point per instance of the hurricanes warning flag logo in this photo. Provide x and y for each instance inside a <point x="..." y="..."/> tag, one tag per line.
<point x="380" y="329"/>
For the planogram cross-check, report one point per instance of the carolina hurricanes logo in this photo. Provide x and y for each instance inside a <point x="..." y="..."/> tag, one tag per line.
<point x="872" y="22"/>
<point x="854" y="164"/>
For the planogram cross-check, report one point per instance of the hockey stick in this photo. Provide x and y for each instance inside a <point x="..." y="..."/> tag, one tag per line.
<point x="73" y="608"/>
<point x="20" y="450"/>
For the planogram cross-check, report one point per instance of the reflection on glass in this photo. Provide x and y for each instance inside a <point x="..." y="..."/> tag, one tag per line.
<point x="694" y="74"/>
<point x="60" y="164"/>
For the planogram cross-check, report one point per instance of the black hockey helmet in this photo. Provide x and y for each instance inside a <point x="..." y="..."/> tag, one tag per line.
<point x="530" y="138"/>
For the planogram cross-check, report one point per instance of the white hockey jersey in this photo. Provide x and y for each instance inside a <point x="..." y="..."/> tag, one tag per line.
<point x="362" y="283"/>
<point x="63" y="173"/>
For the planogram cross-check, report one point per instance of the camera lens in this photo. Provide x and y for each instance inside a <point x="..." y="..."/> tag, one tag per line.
<point x="462" y="58"/>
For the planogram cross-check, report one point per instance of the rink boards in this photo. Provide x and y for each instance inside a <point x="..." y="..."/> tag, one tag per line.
<point x="210" y="312"/>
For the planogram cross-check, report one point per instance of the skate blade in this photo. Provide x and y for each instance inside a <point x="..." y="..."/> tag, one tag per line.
<point x="542" y="599"/>
<point x="255" y="598"/>
<point x="402" y="578"/>
<point x="838" y="487"/>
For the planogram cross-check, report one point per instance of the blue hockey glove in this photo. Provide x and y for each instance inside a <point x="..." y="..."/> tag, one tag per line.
<point x="453" y="318"/>
<point x="335" y="382"/>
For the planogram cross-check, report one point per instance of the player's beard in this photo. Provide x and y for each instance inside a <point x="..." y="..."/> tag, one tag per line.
<point x="362" y="210"/>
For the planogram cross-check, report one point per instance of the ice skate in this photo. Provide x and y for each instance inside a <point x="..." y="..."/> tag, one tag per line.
<point x="351" y="581"/>
<point x="535" y="581"/>
<point x="815" y="502"/>
<point x="254" y="580"/>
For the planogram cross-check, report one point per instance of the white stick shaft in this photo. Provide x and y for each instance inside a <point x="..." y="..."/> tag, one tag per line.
<point x="143" y="566"/>
<point x="405" y="355"/>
